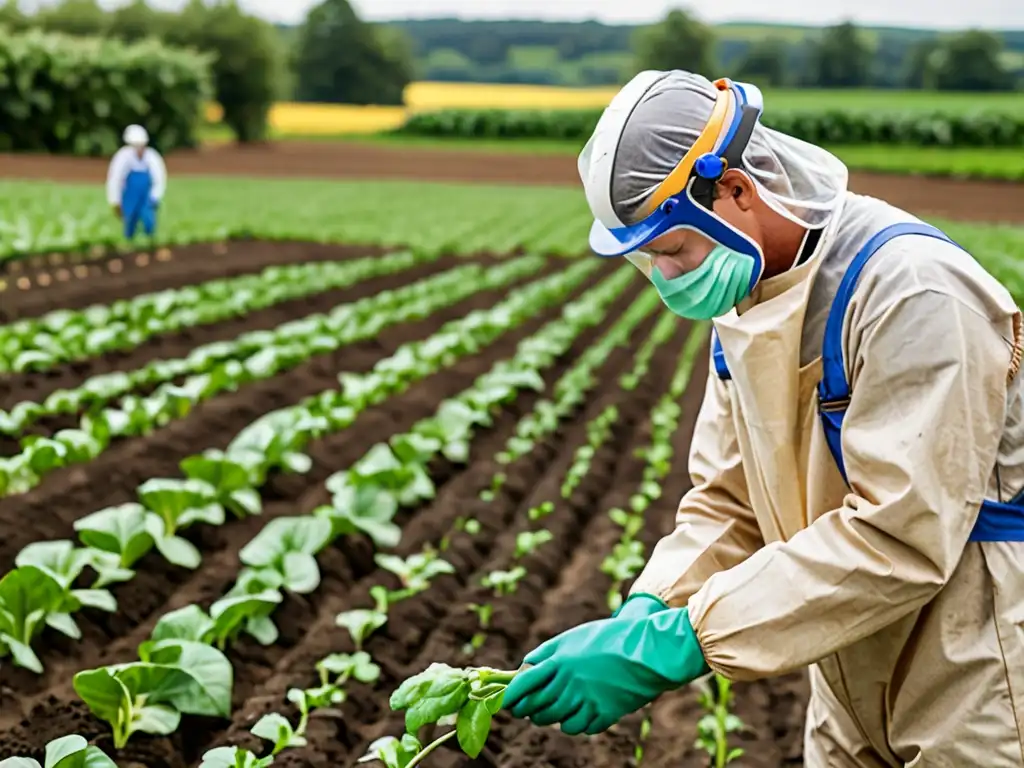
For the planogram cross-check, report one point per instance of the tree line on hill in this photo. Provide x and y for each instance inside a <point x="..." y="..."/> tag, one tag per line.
<point x="591" y="53"/>
<point x="334" y="56"/>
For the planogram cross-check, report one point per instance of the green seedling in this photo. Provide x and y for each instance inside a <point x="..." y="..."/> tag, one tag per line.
<point x="645" y="732"/>
<point x="288" y="545"/>
<point x="713" y="728"/>
<point x="364" y="508"/>
<point x="542" y="510"/>
<point x="233" y="757"/>
<point x="28" y="596"/>
<point x="467" y="525"/>
<point x="345" y="666"/>
<point x="394" y="753"/>
<point x="234" y="483"/>
<point x="415" y="572"/>
<point x="504" y="583"/>
<point x="276" y="729"/>
<point x="441" y="693"/>
<point x="120" y="533"/>
<point x="361" y="623"/>
<point x="625" y="561"/>
<point x="528" y="541"/>
<point x="631" y="524"/>
<point x="174" y="505"/>
<point x="62" y="563"/>
<point x="180" y="677"/>
<point x="312" y="699"/>
<point x="65" y="752"/>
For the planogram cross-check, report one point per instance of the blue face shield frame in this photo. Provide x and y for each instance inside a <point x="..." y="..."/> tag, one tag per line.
<point x="690" y="207"/>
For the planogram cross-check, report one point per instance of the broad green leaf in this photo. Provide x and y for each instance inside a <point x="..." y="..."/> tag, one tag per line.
<point x="100" y="599"/>
<point x="64" y="749"/>
<point x="120" y="530"/>
<point x="179" y="551"/>
<point x="438" y="691"/>
<point x="19" y="762"/>
<point x="105" y="695"/>
<point x="301" y="573"/>
<point x="58" y="559"/>
<point x="210" y="677"/>
<point x="233" y="757"/>
<point x="181" y="502"/>
<point x="344" y="666"/>
<point x="232" y="614"/>
<point x="22" y="654"/>
<point x="190" y="623"/>
<point x="244" y="501"/>
<point x="472" y="727"/>
<point x="262" y="629"/>
<point x="27" y="594"/>
<point x="306" y="535"/>
<point x="156" y="719"/>
<point x="63" y="623"/>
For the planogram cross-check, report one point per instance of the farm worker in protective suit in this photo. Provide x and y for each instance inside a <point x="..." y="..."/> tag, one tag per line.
<point x="858" y="460"/>
<point x="136" y="182"/>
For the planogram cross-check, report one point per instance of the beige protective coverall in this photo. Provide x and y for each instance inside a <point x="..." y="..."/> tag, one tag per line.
<point x="914" y="636"/>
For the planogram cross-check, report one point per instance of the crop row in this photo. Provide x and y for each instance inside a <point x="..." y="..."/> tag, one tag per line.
<point x="286" y="546"/>
<point x="469" y="698"/>
<point x="269" y="353"/>
<point x="37" y="344"/>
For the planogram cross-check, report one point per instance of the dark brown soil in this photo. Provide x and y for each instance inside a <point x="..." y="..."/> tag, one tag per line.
<point x="564" y="586"/>
<point x="989" y="201"/>
<point x="111" y="276"/>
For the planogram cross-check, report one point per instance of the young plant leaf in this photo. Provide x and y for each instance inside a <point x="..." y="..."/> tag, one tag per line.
<point x="288" y="545"/>
<point x="233" y="757"/>
<point x="437" y="692"/>
<point x="361" y="624"/>
<point x="473" y="726"/>
<point x="278" y="731"/>
<point x="118" y="530"/>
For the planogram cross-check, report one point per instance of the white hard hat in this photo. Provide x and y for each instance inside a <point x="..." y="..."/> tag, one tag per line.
<point x="136" y="136"/>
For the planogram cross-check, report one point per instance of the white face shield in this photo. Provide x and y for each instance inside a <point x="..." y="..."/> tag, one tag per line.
<point x="646" y="156"/>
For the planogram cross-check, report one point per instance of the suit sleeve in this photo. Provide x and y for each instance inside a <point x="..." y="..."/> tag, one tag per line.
<point x="158" y="170"/>
<point x="714" y="526"/>
<point x="920" y="440"/>
<point x="116" y="174"/>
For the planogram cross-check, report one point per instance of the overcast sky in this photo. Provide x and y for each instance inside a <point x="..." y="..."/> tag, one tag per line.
<point x="948" y="14"/>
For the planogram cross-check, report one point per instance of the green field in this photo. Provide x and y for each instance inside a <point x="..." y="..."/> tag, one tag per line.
<point x="893" y="101"/>
<point x="434" y="218"/>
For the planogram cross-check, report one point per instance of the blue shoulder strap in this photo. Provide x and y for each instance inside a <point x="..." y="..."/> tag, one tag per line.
<point x="997" y="521"/>
<point x="834" y="389"/>
<point x="718" y="357"/>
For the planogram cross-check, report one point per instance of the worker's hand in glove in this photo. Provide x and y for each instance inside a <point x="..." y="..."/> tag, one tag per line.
<point x="589" y="678"/>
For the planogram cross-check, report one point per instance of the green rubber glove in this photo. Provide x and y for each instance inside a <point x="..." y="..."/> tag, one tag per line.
<point x="639" y="605"/>
<point x="589" y="678"/>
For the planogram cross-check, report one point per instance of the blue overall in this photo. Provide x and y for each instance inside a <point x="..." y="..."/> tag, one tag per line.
<point x="997" y="521"/>
<point x="137" y="203"/>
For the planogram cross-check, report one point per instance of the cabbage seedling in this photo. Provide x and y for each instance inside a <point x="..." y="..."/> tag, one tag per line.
<point x="528" y="541"/>
<point x="65" y="752"/>
<point x="233" y="757"/>
<point x="471" y="696"/>
<point x="346" y="666"/>
<point x="361" y="623"/>
<point x="504" y="583"/>
<point x="278" y="731"/>
<point x="287" y="545"/>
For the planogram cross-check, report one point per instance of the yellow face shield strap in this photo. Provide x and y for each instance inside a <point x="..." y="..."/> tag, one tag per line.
<point x="676" y="181"/>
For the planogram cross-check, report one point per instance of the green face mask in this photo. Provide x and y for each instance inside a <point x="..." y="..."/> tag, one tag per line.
<point x="720" y="283"/>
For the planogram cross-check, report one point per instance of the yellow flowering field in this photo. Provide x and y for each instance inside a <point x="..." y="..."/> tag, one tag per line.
<point x="310" y="119"/>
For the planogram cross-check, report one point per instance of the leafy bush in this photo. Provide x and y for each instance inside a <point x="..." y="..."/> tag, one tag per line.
<point x="825" y="127"/>
<point x="76" y="95"/>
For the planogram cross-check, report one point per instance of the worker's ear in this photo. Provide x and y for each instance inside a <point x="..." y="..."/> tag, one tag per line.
<point x="737" y="187"/>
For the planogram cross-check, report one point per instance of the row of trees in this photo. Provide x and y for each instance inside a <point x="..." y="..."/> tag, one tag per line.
<point x="333" y="57"/>
<point x="590" y="53"/>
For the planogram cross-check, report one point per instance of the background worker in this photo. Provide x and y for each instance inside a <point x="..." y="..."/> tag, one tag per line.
<point x="136" y="182"/>
<point x="858" y="459"/>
